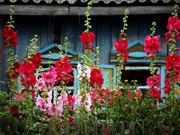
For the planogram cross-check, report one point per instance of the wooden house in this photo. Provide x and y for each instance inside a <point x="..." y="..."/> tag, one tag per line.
<point x="52" y="20"/>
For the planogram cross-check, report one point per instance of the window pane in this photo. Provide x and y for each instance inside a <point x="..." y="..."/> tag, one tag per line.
<point x="139" y="75"/>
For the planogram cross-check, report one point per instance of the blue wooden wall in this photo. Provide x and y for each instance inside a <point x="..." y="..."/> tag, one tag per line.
<point x="107" y="30"/>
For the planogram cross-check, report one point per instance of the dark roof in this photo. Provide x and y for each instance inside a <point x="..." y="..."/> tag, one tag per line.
<point x="94" y="1"/>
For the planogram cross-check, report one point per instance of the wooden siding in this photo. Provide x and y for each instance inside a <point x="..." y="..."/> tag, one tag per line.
<point x="106" y="29"/>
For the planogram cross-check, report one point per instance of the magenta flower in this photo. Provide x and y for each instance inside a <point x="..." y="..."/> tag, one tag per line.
<point x="47" y="77"/>
<point x="158" y="79"/>
<point x="150" y="81"/>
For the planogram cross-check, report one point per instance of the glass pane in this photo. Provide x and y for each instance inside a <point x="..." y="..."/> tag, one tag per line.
<point x="140" y="75"/>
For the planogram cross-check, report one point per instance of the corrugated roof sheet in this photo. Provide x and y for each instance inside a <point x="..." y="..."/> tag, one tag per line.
<point x="94" y="1"/>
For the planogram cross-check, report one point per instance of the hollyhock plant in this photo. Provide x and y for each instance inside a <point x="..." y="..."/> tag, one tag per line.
<point x="96" y="77"/>
<point x="33" y="58"/>
<point x="173" y="23"/>
<point x="151" y="44"/>
<point x="155" y="93"/>
<point x="87" y="39"/>
<point x="150" y="81"/>
<point x="86" y="73"/>
<point x="40" y="84"/>
<point x="48" y="77"/>
<point x="10" y="36"/>
<point x="14" y="109"/>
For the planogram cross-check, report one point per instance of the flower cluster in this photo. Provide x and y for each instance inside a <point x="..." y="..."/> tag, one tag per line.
<point x="14" y="71"/>
<point x="63" y="69"/>
<point x="172" y="64"/>
<point x="134" y="94"/>
<point x="46" y="106"/>
<point x="172" y="60"/>
<point x="121" y="48"/>
<point x="151" y="44"/>
<point x="86" y="73"/>
<point x="33" y="58"/>
<point x="96" y="77"/>
<point x="154" y="82"/>
<point x="10" y="36"/>
<point x="87" y="39"/>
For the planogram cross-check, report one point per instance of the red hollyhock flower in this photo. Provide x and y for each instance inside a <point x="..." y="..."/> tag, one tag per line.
<point x="121" y="46"/>
<point x="173" y="59"/>
<point x="14" y="109"/>
<point x="158" y="79"/>
<point x="71" y="120"/>
<point x="96" y="77"/>
<point x="173" y="23"/>
<point x="155" y="93"/>
<point x="16" y="115"/>
<point x="151" y="45"/>
<point x="35" y="59"/>
<point x="27" y="69"/>
<point x="123" y="35"/>
<point x="63" y="65"/>
<point x="14" y="71"/>
<point x="10" y="36"/>
<point x="87" y="39"/>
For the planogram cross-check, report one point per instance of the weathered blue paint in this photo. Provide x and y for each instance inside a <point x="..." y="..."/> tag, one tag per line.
<point x="137" y="54"/>
<point x="140" y="61"/>
<point x="105" y="74"/>
<point x="137" y="42"/>
<point x="104" y="40"/>
<point x="163" y="73"/>
<point x="54" y="56"/>
<point x="57" y="46"/>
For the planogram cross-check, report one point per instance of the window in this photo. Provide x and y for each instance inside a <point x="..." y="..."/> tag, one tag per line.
<point x="140" y="74"/>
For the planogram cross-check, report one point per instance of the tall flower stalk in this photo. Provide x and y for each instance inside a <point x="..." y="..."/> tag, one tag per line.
<point x="172" y="60"/>
<point x="152" y="44"/>
<point x="121" y="48"/>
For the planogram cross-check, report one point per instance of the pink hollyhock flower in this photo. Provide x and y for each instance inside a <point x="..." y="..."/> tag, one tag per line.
<point x="47" y="77"/>
<point x="87" y="102"/>
<point x="151" y="45"/>
<point x="41" y="104"/>
<point x="158" y="79"/>
<point x="95" y="95"/>
<point x="52" y="110"/>
<point x="19" y="97"/>
<point x="85" y="73"/>
<point x="39" y="83"/>
<point x="150" y="81"/>
<point x="6" y="108"/>
<point x="71" y="101"/>
<point x="59" y="108"/>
